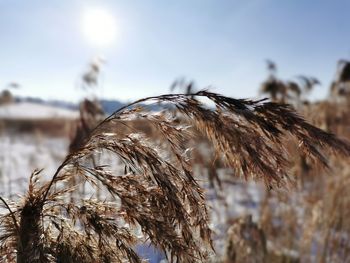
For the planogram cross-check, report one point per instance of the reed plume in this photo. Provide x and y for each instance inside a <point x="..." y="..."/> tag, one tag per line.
<point x="156" y="199"/>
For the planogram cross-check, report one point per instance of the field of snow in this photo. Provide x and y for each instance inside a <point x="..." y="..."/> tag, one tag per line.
<point x="29" y="110"/>
<point x="20" y="154"/>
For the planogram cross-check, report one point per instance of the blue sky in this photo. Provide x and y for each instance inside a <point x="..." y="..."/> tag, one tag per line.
<point x="223" y="44"/>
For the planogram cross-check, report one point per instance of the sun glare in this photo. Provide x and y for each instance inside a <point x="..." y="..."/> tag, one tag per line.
<point x="99" y="26"/>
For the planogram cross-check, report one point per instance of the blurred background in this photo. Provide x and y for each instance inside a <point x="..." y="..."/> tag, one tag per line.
<point x="65" y="65"/>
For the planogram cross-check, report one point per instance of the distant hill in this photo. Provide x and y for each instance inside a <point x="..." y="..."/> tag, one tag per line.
<point x="109" y="106"/>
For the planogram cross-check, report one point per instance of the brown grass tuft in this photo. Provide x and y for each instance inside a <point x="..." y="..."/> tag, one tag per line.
<point x="157" y="195"/>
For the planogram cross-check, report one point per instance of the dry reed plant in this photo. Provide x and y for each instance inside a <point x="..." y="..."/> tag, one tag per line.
<point x="340" y="88"/>
<point x="91" y="113"/>
<point x="246" y="242"/>
<point x="311" y="224"/>
<point x="157" y="198"/>
<point x="291" y="91"/>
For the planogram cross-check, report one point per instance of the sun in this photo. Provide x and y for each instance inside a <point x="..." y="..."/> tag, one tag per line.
<point x="99" y="26"/>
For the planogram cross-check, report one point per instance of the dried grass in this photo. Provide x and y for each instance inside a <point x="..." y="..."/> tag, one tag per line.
<point x="158" y="194"/>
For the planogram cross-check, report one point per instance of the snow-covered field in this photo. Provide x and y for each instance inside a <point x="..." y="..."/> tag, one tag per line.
<point x="20" y="154"/>
<point x="30" y="110"/>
